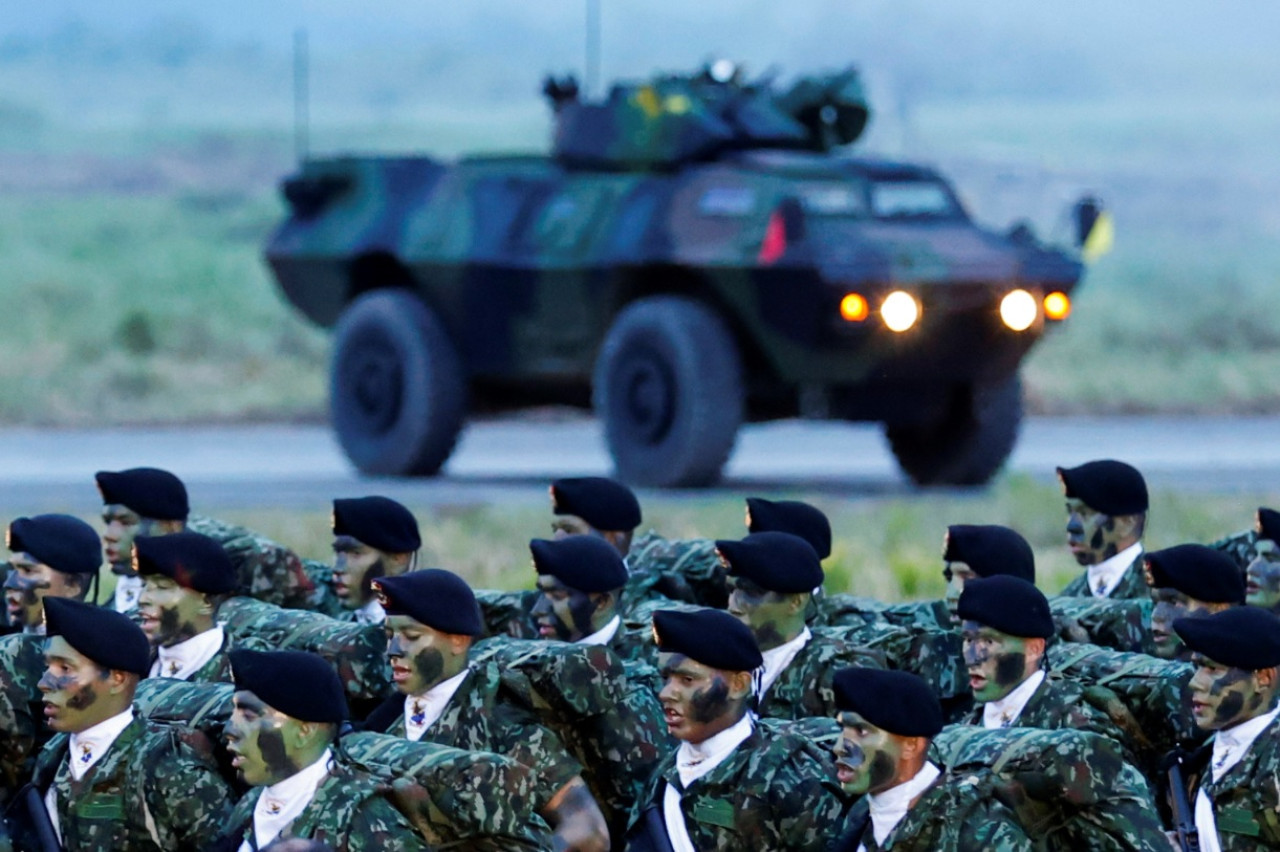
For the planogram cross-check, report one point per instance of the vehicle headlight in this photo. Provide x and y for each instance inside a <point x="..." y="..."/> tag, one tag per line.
<point x="854" y="307"/>
<point x="1019" y="310"/>
<point x="1057" y="305"/>
<point x="899" y="310"/>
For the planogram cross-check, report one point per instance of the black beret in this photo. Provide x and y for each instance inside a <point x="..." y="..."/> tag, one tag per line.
<point x="149" y="491"/>
<point x="712" y="637"/>
<point x="1243" y="637"/>
<point x="434" y="597"/>
<point x="1008" y="604"/>
<point x="296" y="683"/>
<point x="1198" y="571"/>
<point x="190" y="559"/>
<point x="1269" y="524"/>
<point x="1107" y="486"/>
<point x="379" y="522"/>
<point x="107" y="637"/>
<point x="791" y="516"/>
<point x="990" y="550"/>
<point x="899" y="702"/>
<point x="605" y="504"/>
<point x="583" y="562"/>
<point x="776" y="561"/>
<point x="64" y="543"/>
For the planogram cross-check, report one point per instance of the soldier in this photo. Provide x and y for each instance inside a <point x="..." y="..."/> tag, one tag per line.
<point x="286" y="712"/>
<point x="372" y="537"/>
<point x="731" y="785"/>
<point x="790" y="516"/>
<point x="887" y="721"/>
<point x="1106" y="518"/>
<point x="111" y="780"/>
<point x="970" y="551"/>
<point x="1262" y="576"/>
<point x="1005" y="623"/>
<point x="54" y="556"/>
<point x="1236" y="796"/>
<point x="147" y="502"/>
<point x="1188" y="580"/>
<point x="594" y="505"/>
<point x="185" y="578"/>
<point x="432" y="619"/>
<point x="771" y="577"/>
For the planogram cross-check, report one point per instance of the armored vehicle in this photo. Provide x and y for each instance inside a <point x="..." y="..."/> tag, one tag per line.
<point x="696" y="250"/>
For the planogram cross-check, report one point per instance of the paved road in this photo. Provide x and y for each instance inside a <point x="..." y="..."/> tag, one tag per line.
<point x="302" y="467"/>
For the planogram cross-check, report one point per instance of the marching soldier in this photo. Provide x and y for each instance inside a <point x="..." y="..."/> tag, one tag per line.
<point x="54" y="556"/>
<point x="887" y="721"/>
<point x="373" y="537"/>
<point x="1187" y="580"/>
<point x="185" y="577"/>
<point x="730" y="785"/>
<point x="1262" y="576"/>
<point x="1106" y="518"/>
<point x="970" y="551"/>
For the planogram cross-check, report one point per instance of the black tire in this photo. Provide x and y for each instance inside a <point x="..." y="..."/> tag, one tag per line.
<point x="668" y="389"/>
<point x="969" y="444"/>
<point x="397" y="392"/>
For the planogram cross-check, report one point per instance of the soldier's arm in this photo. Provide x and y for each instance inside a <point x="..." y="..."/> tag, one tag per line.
<point x="996" y="828"/>
<point x="576" y="821"/>
<point x="187" y="799"/>
<point x="376" y="826"/>
<point x="805" y="807"/>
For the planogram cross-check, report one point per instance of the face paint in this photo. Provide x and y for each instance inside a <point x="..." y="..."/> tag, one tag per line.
<point x="997" y="662"/>
<point x="420" y="656"/>
<point x="772" y="617"/>
<point x="1092" y="536"/>
<point x="171" y="613"/>
<point x="956" y="574"/>
<point x="74" y="689"/>
<point x="1169" y="605"/>
<point x="26" y="585"/>
<point x="867" y="757"/>
<point x="697" y="701"/>
<point x="256" y="739"/>
<point x="121" y="525"/>
<point x="1262" y="577"/>
<point x="561" y="612"/>
<point x="1222" y="697"/>
<point x="355" y="567"/>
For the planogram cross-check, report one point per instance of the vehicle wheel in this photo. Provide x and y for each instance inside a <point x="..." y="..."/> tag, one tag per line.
<point x="668" y="388"/>
<point x="397" y="391"/>
<point x="966" y="446"/>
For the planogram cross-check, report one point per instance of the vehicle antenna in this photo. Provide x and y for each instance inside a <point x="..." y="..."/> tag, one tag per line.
<point x="301" y="94"/>
<point x="592" y="71"/>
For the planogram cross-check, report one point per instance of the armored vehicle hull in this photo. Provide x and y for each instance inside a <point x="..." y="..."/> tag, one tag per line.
<point x="679" y="301"/>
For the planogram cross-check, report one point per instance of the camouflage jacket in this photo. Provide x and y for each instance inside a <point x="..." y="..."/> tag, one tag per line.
<point x="481" y="716"/>
<point x="267" y="571"/>
<point x="22" y="729"/>
<point x="804" y="688"/>
<point x="953" y="815"/>
<point x="1122" y="624"/>
<point x="156" y="788"/>
<point x="349" y="812"/>
<point x="776" y="791"/>
<point x="1132" y="585"/>
<point x="1060" y="703"/>
<point x="686" y="570"/>
<point x="1242" y="547"/>
<point x="1246" y="799"/>
<point x="216" y="670"/>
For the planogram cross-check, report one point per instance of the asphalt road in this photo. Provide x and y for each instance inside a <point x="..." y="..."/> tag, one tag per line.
<point x="513" y="460"/>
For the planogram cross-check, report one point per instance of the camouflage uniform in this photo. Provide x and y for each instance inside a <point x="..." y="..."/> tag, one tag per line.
<point x="776" y="791"/>
<point x="348" y="811"/>
<point x="804" y="687"/>
<point x="218" y="667"/>
<point x="1242" y="547"/>
<point x="1119" y="624"/>
<point x="1246" y="800"/>
<point x="266" y="570"/>
<point x="1059" y="703"/>
<point x="154" y="776"/>
<point x="22" y="731"/>
<point x="1132" y="585"/>
<point x="953" y="815"/>
<point x="686" y="570"/>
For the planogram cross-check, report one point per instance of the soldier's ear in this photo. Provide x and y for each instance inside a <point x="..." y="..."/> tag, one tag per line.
<point x="739" y="684"/>
<point x="1266" y="678"/>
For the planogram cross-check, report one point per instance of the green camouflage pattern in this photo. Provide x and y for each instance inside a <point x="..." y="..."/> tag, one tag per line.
<point x="1242" y="547"/>
<point x="156" y="788"/>
<point x="1069" y="790"/>
<point x="1132" y="585"/>
<point x="956" y="814"/>
<point x="356" y="651"/>
<point x="686" y="570"/>
<point x="933" y="654"/>
<point x="218" y="668"/>
<point x="508" y="612"/>
<point x="22" y="729"/>
<point x="1246" y="799"/>
<point x="267" y="571"/>
<point x="606" y="712"/>
<point x="1059" y="703"/>
<point x="776" y="791"/>
<point x="804" y="687"/>
<point x="1122" y="624"/>
<point x="454" y="797"/>
<point x="350" y="811"/>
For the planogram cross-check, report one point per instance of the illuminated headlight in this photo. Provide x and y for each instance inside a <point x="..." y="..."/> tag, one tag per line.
<point x="899" y="310"/>
<point x="1019" y="310"/>
<point x="854" y="308"/>
<point x="1057" y="305"/>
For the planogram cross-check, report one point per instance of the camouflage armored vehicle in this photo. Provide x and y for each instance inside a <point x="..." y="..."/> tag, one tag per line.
<point x="696" y="251"/>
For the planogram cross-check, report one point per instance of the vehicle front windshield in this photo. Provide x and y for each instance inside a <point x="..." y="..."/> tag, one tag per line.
<point x="913" y="199"/>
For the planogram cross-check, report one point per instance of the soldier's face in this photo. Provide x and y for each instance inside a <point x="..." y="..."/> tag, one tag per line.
<point x="1262" y="577"/>
<point x="997" y="662"/>
<point x="121" y="525"/>
<point x="75" y="690"/>
<point x="770" y="615"/>
<point x="563" y="526"/>
<point x="561" y="612"/>
<point x="262" y="741"/>
<point x="420" y="656"/>
<point x="1222" y="696"/>
<point x="26" y="585"/>
<point x="171" y="613"/>
<point x="1168" y="605"/>
<point x="867" y="757"/>
<point x="956" y="574"/>
<point x="1092" y="536"/>
<point x="698" y="701"/>
<point x="355" y="566"/>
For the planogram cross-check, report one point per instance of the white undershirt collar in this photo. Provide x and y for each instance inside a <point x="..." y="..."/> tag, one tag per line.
<point x="692" y="762"/>
<point x="1109" y="571"/>
<point x="604" y="635"/>
<point x="777" y="659"/>
<point x="128" y="588"/>
<point x="425" y="709"/>
<point x="890" y="807"/>
<point x="371" y="613"/>
<point x="186" y="658"/>
<point x="1005" y="712"/>
<point x="281" y="803"/>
